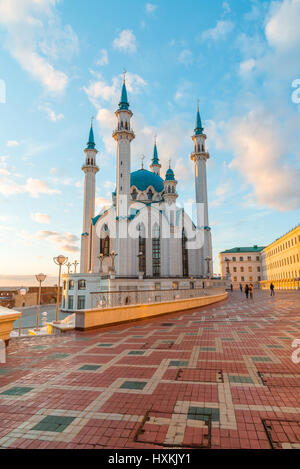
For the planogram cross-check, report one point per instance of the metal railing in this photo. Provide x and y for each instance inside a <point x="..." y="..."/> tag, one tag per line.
<point x="105" y="299"/>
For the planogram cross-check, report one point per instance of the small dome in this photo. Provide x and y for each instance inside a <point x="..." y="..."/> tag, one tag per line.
<point x="143" y="178"/>
<point x="170" y="175"/>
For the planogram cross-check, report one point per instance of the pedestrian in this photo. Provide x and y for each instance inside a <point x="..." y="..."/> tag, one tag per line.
<point x="241" y="288"/>
<point x="272" y="289"/>
<point x="247" y="290"/>
<point x="251" y="291"/>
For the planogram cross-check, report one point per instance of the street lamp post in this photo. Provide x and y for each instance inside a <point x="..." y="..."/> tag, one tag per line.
<point x="40" y="278"/>
<point x="228" y="276"/>
<point x="75" y="263"/>
<point x="60" y="261"/>
<point x="22" y="292"/>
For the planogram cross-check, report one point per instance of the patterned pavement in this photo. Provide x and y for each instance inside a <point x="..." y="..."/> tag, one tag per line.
<point x="214" y="377"/>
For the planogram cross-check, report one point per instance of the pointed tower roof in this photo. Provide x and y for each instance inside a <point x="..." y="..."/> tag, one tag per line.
<point x="198" y="126"/>
<point x="155" y="159"/>
<point x="91" y="143"/>
<point x="170" y="174"/>
<point x="124" y="104"/>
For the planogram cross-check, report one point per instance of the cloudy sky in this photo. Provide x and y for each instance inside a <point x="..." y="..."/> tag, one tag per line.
<point x="62" y="62"/>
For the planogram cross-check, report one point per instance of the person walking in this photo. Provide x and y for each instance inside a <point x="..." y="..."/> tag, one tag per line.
<point x="272" y="289"/>
<point x="247" y="290"/>
<point x="241" y="288"/>
<point x="251" y="291"/>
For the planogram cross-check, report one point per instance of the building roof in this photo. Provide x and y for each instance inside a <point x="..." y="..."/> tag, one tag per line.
<point x="91" y="142"/>
<point x="244" y="249"/>
<point x="155" y="159"/>
<point x="170" y="175"/>
<point x="198" y="125"/>
<point x="142" y="179"/>
<point x="124" y="104"/>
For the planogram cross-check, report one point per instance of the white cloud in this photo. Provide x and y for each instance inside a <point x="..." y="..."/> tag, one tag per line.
<point x="282" y="29"/>
<point x="221" y="30"/>
<point x="226" y="7"/>
<point x="260" y="156"/>
<point x="125" y="42"/>
<point x="41" y="218"/>
<point x="103" y="202"/>
<point x="186" y="57"/>
<point x="51" y="114"/>
<point x="246" y="66"/>
<point x="222" y="191"/>
<point x="34" y="187"/>
<point x="150" y="7"/>
<point x="66" y="242"/>
<point x="100" y="91"/>
<point x="12" y="143"/>
<point x="34" y="35"/>
<point x="103" y="60"/>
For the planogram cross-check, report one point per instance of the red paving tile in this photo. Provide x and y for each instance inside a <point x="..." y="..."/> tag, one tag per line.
<point x="215" y="377"/>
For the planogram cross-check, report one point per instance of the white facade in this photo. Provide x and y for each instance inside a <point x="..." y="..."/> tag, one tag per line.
<point x="143" y="237"/>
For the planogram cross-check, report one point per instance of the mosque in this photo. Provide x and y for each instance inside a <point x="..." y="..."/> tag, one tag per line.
<point x="143" y="241"/>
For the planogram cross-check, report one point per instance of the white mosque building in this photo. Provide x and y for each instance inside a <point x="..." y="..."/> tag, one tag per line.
<point x="143" y="241"/>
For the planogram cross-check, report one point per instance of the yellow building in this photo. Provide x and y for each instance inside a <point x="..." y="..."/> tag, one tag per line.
<point x="281" y="262"/>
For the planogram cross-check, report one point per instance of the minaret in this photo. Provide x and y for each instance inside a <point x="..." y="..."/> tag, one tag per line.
<point x="90" y="169"/>
<point x="200" y="157"/>
<point x="170" y="183"/>
<point x="155" y="164"/>
<point x="123" y="136"/>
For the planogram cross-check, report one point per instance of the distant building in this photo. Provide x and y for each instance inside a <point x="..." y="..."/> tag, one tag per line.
<point x="244" y="263"/>
<point x="10" y="296"/>
<point x="281" y="262"/>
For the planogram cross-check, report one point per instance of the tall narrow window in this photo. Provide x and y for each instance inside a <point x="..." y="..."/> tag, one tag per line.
<point x="156" y="253"/>
<point x="142" y="248"/>
<point x="185" y="259"/>
<point x="104" y="241"/>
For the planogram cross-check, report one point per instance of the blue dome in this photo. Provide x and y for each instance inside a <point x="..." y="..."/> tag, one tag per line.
<point x="142" y="179"/>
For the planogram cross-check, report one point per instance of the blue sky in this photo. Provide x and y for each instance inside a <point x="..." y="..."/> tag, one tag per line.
<point x="62" y="62"/>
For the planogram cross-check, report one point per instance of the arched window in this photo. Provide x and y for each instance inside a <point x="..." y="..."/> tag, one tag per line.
<point x="126" y="125"/>
<point x="185" y="259"/>
<point x="104" y="241"/>
<point x="71" y="284"/>
<point x="156" y="252"/>
<point x="149" y="194"/>
<point x="173" y="190"/>
<point x="169" y="189"/>
<point x="134" y="194"/>
<point x="142" y="249"/>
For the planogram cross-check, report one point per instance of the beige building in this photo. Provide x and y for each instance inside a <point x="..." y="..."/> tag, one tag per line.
<point x="281" y="262"/>
<point x="244" y="264"/>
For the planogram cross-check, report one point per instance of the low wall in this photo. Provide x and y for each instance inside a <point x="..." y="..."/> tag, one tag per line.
<point x="93" y="318"/>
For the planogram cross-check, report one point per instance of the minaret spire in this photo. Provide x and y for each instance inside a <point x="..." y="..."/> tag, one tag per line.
<point x="155" y="164"/>
<point x="123" y="135"/>
<point x="198" y="126"/>
<point x="124" y="104"/>
<point x="200" y="157"/>
<point x="90" y="169"/>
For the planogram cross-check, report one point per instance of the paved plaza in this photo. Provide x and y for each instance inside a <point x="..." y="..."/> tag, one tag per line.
<point x="214" y="377"/>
